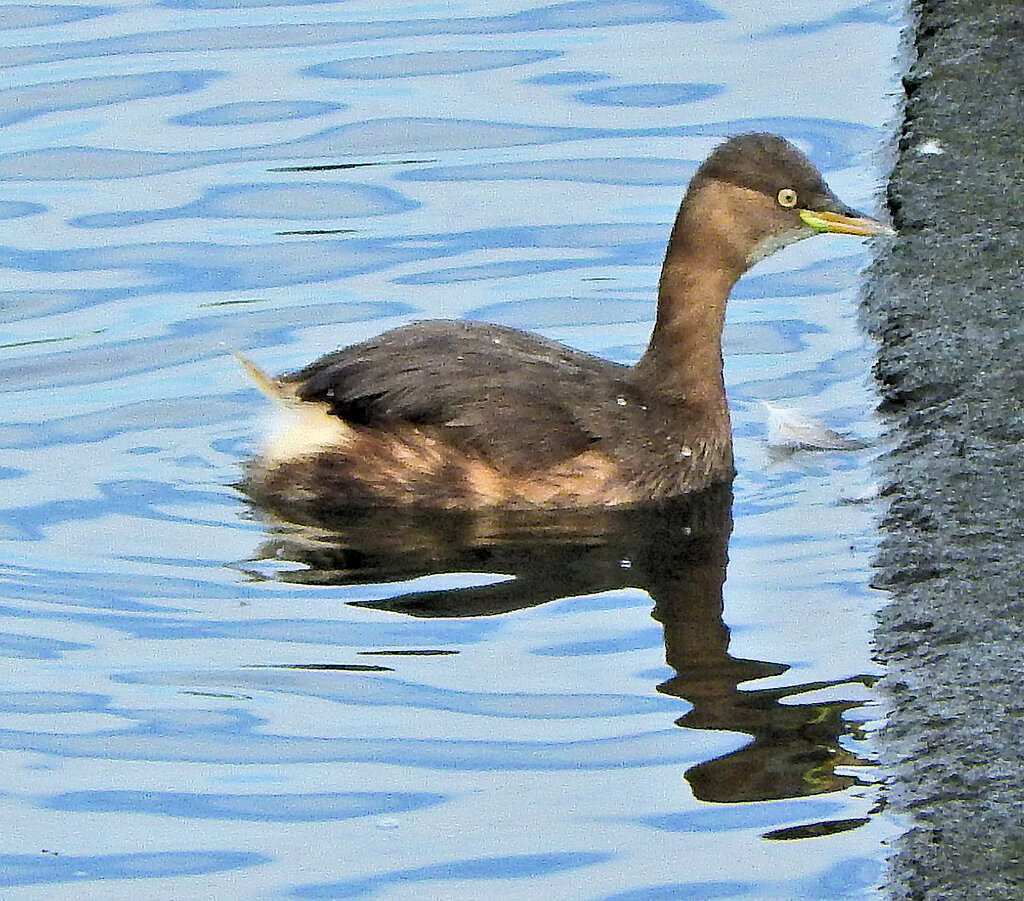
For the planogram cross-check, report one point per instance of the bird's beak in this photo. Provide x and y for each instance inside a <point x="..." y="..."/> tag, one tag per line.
<point x="844" y="224"/>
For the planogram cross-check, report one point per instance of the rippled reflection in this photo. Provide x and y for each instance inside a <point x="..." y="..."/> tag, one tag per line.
<point x="676" y="552"/>
<point x="414" y="710"/>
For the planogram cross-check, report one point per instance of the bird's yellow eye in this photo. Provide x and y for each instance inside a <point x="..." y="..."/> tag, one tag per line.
<point x="787" y="198"/>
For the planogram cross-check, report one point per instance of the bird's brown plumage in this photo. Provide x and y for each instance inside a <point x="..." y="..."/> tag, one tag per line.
<point x="459" y="414"/>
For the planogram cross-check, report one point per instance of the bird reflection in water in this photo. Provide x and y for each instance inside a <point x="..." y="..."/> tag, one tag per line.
<point x="676" y="552"/>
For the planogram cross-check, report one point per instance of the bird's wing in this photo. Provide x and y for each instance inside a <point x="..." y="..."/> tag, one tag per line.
<point x="517" y="401"/>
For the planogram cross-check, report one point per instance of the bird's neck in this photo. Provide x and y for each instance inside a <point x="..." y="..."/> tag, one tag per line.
<point x="684" y="358"/>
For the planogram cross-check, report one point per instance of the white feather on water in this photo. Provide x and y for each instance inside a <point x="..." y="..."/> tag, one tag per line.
<point x="790" y="430"/>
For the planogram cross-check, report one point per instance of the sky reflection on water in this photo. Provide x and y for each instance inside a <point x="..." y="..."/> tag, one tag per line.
<point x="226" y="706"/>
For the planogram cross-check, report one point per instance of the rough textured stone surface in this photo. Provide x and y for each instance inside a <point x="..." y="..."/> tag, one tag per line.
<point x="946" y="303"/>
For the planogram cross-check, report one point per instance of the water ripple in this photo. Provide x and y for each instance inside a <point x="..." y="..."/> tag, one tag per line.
<point x="582" y="14"/>
<point x="238" y="738"/>
<point x="265" y="808"/>
<point x="606" y="171"/>
<point x="513" y="866"/>
<point x="650" y="95"/>
<point x="428" y="62"/>
<point x="182" y="666"/>
<point x="303" y="202"/>
<point x="256" y="112"/>
<point x="687" y="891"/>
<point x="29" y="101"/>
<point x="380" y="691"/>
<point x="189" y="341"/>
<point x="833" y="144"/>
<point x="18" y="209"/>
<point x="22" y="15"/>
<point x="877" y="12"/>
<point x="570" y="78"/>
<point x="48" y="868"/>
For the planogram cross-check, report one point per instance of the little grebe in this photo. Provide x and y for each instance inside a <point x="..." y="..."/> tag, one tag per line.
<point x="465" y="415"/>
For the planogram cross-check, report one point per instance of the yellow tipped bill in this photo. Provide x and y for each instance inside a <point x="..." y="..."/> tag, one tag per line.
<point x="842" y="224"/>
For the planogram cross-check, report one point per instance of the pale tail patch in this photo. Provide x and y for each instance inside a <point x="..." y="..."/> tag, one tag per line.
<point x="297" y="428"/>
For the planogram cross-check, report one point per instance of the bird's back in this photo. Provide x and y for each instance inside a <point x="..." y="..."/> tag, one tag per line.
<point x="515" y="400"/>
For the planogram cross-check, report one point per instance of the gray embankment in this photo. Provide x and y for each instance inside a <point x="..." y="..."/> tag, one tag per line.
<point x="946" y="303"/>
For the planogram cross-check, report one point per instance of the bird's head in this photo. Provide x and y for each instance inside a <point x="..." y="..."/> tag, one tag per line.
<point x="758" y="193"/>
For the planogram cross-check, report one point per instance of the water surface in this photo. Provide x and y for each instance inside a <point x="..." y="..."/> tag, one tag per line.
<point x="202" y="701"/>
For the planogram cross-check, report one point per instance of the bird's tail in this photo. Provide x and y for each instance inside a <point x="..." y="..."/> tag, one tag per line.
<point x="270" y="386"/>
<point x="298" y="429"/>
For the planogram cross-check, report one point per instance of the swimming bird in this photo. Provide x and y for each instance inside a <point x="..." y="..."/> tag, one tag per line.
<point x="462" y="415"/>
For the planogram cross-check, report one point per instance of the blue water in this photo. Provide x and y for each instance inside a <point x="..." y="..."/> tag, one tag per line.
<point x="203" y="702"/>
